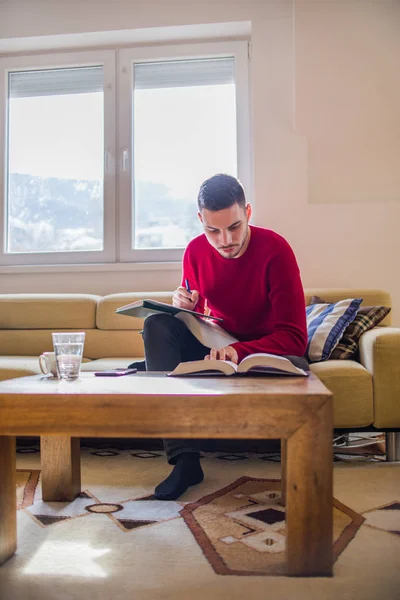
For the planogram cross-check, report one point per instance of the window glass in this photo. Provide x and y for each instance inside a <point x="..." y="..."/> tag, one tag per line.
<point x="184" y="131"/>
<point x="55" y="160"/>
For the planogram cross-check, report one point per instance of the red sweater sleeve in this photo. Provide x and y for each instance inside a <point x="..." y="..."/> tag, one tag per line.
<point x="286" y="297"/>
<point x="189" y="273"/>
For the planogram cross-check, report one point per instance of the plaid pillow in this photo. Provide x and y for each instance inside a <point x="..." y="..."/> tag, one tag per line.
<point x="367" y="317"/>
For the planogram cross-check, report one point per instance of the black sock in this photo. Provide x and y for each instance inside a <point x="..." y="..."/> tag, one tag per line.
<point x="140" y="365"/>
<point x="185" y="473"/>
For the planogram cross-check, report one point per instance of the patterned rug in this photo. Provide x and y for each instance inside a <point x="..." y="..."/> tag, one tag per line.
<point x="26" y="487"/>
<point x="239" y="527"/>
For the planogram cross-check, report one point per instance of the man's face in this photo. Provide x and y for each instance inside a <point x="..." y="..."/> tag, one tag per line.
<point x="227" y="230"/>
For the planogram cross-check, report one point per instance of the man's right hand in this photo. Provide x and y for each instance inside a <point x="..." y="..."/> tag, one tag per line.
<point x="184" y="299"/>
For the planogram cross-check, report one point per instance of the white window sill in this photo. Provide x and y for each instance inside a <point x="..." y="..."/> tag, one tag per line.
<point x="87" y="268"/>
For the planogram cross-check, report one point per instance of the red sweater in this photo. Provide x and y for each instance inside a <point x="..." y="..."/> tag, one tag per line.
<point x="259" y="295"/>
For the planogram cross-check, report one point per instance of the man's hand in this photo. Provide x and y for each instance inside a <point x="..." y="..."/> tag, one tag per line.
<point x="227" y="353"/>
<point x="184" y="299"/>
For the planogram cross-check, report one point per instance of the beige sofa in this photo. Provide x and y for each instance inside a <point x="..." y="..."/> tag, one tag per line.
<point x="366" y="393"/>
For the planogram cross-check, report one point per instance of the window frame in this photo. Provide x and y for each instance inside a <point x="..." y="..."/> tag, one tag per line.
<point x="125" y="176"/>
<point x="106" y="59"/>
<point x="118" y="131"/>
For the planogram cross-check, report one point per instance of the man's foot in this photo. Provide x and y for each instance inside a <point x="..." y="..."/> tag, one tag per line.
<point x="140" y="365"/>
<point x="185" y="473"/>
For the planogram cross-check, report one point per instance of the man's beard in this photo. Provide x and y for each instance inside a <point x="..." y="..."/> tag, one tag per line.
<point x="237" y="247"/>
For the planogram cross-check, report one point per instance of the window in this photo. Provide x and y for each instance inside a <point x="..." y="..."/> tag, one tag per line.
<point x="70" y="197"/>
<point x="184" y="128"/>
<point x="55" y="160"/>
<point x="59" y="189"/>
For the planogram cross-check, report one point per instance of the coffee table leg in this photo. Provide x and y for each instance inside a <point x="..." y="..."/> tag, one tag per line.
<point x="61" y="468"/>
<point x="309" y="506"/>
<point x="8" y="498"/>
<point x="283" y="471"/>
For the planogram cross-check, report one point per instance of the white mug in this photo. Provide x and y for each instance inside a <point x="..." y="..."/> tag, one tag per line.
<point x="47" y="363"/>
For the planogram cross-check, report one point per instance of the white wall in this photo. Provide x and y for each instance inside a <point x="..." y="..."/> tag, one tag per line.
<point x="325" y="107"/>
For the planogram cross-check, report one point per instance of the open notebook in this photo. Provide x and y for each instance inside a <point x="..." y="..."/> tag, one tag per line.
<point x="203" y="327"/>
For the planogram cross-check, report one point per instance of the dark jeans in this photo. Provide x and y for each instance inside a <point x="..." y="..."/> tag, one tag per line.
<point x="168" y="342"/>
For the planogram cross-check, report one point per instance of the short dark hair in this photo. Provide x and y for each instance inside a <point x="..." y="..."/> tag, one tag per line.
<point x="219" y="192"/>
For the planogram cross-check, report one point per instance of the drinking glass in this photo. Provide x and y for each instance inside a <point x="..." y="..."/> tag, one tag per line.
<point x="68" y="348"/>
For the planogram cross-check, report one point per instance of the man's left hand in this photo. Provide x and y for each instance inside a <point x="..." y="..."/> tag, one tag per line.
<point x="227" y="353"/>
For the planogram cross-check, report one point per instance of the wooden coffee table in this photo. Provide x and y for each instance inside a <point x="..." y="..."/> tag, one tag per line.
<point x="296" y="410"/>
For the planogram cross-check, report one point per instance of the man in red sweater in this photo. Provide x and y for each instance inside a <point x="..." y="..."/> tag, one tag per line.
<point x="244" y="274"/>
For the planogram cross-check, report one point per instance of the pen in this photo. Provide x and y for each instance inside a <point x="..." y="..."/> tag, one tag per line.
<point x="188" y="287"/>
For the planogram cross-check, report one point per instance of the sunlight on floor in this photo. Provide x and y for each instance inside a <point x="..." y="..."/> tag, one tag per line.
<point x="69" y="559"/>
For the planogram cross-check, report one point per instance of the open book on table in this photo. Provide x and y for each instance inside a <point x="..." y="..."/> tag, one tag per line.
<point x="203" y="327"/>
<point x="260" y="363"/>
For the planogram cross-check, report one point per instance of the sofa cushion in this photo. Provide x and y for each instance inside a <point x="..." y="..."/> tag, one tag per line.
<point x="105" y="364"/>
<point x="351" y="386"/>
<point x="26" y="342"/>
<point x="326" y="324"/>
<point x="98" y="343"/>
<point x="48" y="311"/>
<point x="20" y="366"/>
<point x="107" y="317"/>
<point x="366" y="318"/>
<point x="104" y="344"/>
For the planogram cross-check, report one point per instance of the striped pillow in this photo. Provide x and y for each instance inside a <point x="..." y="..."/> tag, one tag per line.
<point x="326" y="324"/>
<point x="367" y="318"/>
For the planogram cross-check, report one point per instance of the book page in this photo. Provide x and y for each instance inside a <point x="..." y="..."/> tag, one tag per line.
<point x="205" y="367"/>
<point x="267" y="362"/>
<point x="208" y="333"/>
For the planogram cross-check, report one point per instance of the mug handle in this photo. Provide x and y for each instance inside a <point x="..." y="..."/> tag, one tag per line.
<point x="42" y="360"/>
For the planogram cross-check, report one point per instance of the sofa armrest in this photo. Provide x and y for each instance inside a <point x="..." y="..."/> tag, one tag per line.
<point x="380" y="355"/>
